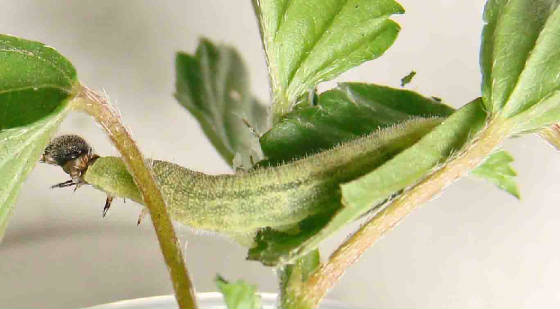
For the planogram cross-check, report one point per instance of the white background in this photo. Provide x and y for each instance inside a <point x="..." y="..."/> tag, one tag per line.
<point x="474" y="246"/>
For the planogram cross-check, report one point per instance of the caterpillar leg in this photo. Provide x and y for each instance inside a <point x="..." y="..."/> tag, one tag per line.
<point x="108" y="202"/>
<point x="76" y="182"/>
<point x="68" y="183"/>
<point x="143" y="213"/>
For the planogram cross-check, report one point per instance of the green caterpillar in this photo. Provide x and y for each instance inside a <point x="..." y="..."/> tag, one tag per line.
<point x="263" y="197"/>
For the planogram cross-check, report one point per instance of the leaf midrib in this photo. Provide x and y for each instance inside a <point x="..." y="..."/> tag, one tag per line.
<point x="528" y="59"/>
<point x="41" y="86"/>
<point x="308" y="51"/>
<point x="515" y="82"/>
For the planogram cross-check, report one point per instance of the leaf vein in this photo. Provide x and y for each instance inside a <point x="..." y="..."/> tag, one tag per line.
<point x="30" y="54"/>
<point x="308" y="51"/>
<point x="42" y="86"/>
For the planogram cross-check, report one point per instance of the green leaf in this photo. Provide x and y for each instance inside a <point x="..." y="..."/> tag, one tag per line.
<point x="341" y="115"/>
<point x="34" y="80"/>
<point x="411" y="165"/>
<point x="497" y="169"/>
<point x="309" y="41"/>
<point x="408" y="167"/>
<point x="520" y="59"/>
<point x="239" y="295"/>
<point x="372" y="190"/>
<point x="213" y="85"/>
<point x="35" y="85"/>
<point x="348" y="112"/>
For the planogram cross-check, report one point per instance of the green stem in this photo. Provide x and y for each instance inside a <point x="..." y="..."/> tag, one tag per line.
<point x="318" y="284"/>
<point x="98" y="107"/>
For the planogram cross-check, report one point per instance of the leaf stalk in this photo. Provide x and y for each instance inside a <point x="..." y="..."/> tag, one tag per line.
<point x="99" y="108"/>
<point x="324" y="278"/>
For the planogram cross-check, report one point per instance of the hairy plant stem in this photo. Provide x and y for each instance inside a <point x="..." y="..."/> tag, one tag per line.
<point x="318" y="284"/>
<point x="98" y="107"/>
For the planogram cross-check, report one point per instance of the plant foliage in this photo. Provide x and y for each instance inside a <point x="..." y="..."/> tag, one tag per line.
<point x="213" y="85"/>
<point x="310" y="41"/>
<point x="35" y="85"/>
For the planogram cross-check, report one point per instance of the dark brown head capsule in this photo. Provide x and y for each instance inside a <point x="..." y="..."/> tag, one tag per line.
<point x="72" y="153"/>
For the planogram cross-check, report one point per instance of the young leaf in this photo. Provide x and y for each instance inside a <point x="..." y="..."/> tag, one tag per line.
<point x="497" y="170"/>
<point x="213" y="85"/>
<point x="35" y="85"/>
<point x="239" y="295"/>
<point x="345" y="113"/>
<point x="309" y="41"/>
<point x="520" y="59"/>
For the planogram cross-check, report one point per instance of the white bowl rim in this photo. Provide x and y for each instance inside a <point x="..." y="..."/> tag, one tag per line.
<point x="128" y="303"/>
<point x="201" y="296"/>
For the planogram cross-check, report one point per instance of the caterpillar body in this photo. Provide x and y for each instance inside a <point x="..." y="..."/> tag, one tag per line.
<point x="263" y="197"/>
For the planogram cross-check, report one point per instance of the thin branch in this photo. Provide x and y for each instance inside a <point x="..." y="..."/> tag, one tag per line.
<point x="98" y="107"/>
<point x="352" y="249"/>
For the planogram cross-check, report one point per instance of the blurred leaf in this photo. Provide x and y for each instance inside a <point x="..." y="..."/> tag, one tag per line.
<point x="551" y="134"/>
<point x="239" y="295"/>
<point x="497" y="169"/>
<point x="345" y="113"/>
<point x="520" y="59"/>
<point x="35" y="84"/>
<point x="213" y="85"/>
<point x="309" y="41"/>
